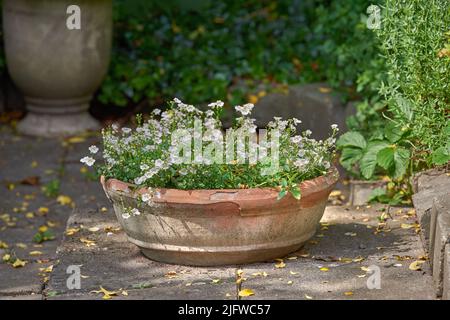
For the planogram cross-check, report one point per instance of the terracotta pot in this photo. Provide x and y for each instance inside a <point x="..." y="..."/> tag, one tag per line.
<point x="219" y="227"/>
<point x="57" y="69"/>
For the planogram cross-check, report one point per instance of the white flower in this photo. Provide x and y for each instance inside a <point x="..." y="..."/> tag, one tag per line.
<point x="177" y="101"/>
<point x="156" y="111"/>
<point x="126" y="130"/>
<point x="334" y="127"/>
<point x="93" y="149"/>
<point x="217" y="104"/>
<point x="125" y="215"/>
<point x="296" y="139"/>
<point x="144" y="167"/>
<point x="246" y="109"/>
<point x="146" y="197"/>
<point x="190" y="108"/>
<point x="89" y="161"/>
<point x="135" y="212"/>
<point x="159" y="163"/>
<point x="301" y="163"/>
<point x="296" y="121"/>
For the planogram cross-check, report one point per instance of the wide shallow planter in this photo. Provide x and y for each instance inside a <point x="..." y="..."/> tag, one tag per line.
<point x="57" y="69"/>
<point x="219" y="227"/>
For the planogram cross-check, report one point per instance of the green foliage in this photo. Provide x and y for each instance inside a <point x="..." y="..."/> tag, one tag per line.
<point x="44" y="235"/>
<point x="51" y="189"/>
<point x="415" y="130"/>
<point x="158" y="155"/>
<point x="233" y="50"/>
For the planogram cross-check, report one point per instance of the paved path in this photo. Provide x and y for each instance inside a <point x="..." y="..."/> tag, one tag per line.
<point x="334" y="265"/>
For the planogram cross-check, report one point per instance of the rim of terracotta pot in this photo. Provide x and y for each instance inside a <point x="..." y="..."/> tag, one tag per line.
<point x="244" y="198"/>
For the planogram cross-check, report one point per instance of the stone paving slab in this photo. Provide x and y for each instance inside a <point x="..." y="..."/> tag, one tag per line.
<point x="27" y="280"/>
<point x="346" y="233"/>
<point x="115" y="263"/>
<point x="24" y="157"/>
<point x="348" y="237"/>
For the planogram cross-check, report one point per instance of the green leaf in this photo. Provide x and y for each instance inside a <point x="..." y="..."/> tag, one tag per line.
<point x="349" y="156"/>
<point x="281" y="194"/>
<point x="295" y="191"/>
<point x="401" y="161"/>
<point x="404" y="106"/>
<point x="441" y="156"/>
<point x="368" y="161"/>
<point x="385" y="158"/>
<point x="351" y="139"/>
<point x="393" y="132"/>
<point x="447" y="129"/>
<point x="376" y="194"/>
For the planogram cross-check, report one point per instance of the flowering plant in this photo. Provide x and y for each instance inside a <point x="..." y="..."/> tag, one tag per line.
<point x="186" y="148"/>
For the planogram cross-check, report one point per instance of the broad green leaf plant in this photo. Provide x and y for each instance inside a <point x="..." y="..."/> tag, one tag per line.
<point x="415" y="132"/>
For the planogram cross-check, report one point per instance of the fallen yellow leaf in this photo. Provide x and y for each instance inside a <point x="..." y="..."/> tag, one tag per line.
<point x="416" y="265"/>
<point x="35" y="253"/>
<point x="348" y="293"/>
<point x="51" y="224"/>
<point x="324" y="90"/>
<point x="6" y="257"/>
<point x="19" y="263"/>
<point x="43" y="210"/>
<point x="87" y="242"/>
<point x="246" y="293"/>
<point x="72" y="231"/>
<point x="94" y="229"/>
<point x="76" y="139"/>
<point x="21" y="245"/>
<point x="325" y="269"/>
<point x="280" y="264"/>
<point x="171" y="274"/>
<point x="43" y="229"/>
<point x="106" y="294"/>
<point x="308" y="297"/>
<point x="47" y="270"/>
<point x="64" y="200"/>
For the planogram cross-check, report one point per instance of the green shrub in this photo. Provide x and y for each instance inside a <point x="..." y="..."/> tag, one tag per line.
<point x="415" y="131"/>
<point x="232" y="50"/>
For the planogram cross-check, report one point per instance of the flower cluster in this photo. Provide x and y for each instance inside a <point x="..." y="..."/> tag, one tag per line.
<point x="186" y="148"/>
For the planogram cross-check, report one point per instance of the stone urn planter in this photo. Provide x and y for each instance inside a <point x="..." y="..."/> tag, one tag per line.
<point x="219" y="227"/>
<point x="57" y="69"/>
